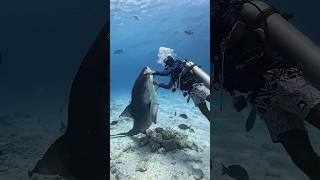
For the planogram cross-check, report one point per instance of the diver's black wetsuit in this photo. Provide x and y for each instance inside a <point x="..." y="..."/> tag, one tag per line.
<point x="186" y="81"/>
<point x="247" y="57"/>
<point x="183" y="78"/>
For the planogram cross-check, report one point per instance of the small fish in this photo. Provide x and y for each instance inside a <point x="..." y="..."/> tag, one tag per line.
<point x="136" y="18"/>
<point x="235" y="171"/>
<point x="184" y="116"/>
<point x="188" y="32"/>
<point x="175" y="113"/>
<point x="118" y="51"/>
<point x="184" y="126"/>
<point x="114" y="122"/>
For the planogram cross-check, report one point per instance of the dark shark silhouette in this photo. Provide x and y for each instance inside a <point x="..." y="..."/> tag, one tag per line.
<point x="81" y="152"/>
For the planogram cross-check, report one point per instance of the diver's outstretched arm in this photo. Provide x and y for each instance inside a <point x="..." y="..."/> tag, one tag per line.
<point x="166" y="86"/>
<point x="162" y="73"/>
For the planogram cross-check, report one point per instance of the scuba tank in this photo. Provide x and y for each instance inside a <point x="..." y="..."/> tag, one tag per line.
<point x="284" y="37"/>
<point x="198" y="73"/>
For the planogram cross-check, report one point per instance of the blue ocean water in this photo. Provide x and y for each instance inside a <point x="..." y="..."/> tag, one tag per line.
<point x="141" y="27"/>
<point x="138" y="28"/>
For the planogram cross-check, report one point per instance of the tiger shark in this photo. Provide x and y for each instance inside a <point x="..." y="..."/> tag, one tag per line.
<point x="143" y="107"/>
<point x="80" y="152"/>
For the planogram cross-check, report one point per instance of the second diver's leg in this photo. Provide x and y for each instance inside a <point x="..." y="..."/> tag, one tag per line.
<point x="299" y="148"/>
<point x="204" y="110"/>
<point x="208" y="98"/>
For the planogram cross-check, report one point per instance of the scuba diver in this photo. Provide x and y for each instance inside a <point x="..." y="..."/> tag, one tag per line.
<point x="257" y="52"/>
<point x="184" y="77"/>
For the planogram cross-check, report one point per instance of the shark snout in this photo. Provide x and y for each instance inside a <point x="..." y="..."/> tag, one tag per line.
<point x="147" y="70"/>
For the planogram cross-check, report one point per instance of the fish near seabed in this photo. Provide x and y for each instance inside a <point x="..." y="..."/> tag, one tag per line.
<point x="188" y="32"/>
<point x="118" y="51"/>
<point x="136" y="17"/>
<point x="184" y="116"/>
<point x="143" y="107"/>
<point x="235" y="171"/>
<point x="184" y="126"/>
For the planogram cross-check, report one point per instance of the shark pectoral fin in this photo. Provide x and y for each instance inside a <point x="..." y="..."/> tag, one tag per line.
<point x="154" y="112"/>
<point x="126" y="112"/>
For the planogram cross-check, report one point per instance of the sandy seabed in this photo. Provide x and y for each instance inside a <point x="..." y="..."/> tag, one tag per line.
<point x="24" y="137"/>
<point x="253" y="150"/>
<point x="178" y="164"/>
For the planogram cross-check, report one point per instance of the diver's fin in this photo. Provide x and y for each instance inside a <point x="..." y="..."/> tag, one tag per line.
<point x="154" y="112"/>
<point x="251" y="119"/>
<point x="126" y="112"/>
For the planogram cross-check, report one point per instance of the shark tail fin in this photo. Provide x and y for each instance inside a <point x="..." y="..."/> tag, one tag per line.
<point x="132" y="132"/>
<point x="53" y="161"/>
<point x="118" y="135"/>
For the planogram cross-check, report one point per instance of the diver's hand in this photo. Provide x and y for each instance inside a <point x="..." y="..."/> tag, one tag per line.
<point x="155" y="83"/>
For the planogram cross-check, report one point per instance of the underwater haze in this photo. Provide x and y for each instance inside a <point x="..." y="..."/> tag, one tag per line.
<point x="140" y="28"/>
<point x="42" y="45"/>
<point x="254" y="150"/>
<point x="140" y="31"/>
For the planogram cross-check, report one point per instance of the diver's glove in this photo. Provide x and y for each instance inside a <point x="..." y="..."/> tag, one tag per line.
<point x="151" y="72"/>
<point x="155" y="83"/>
